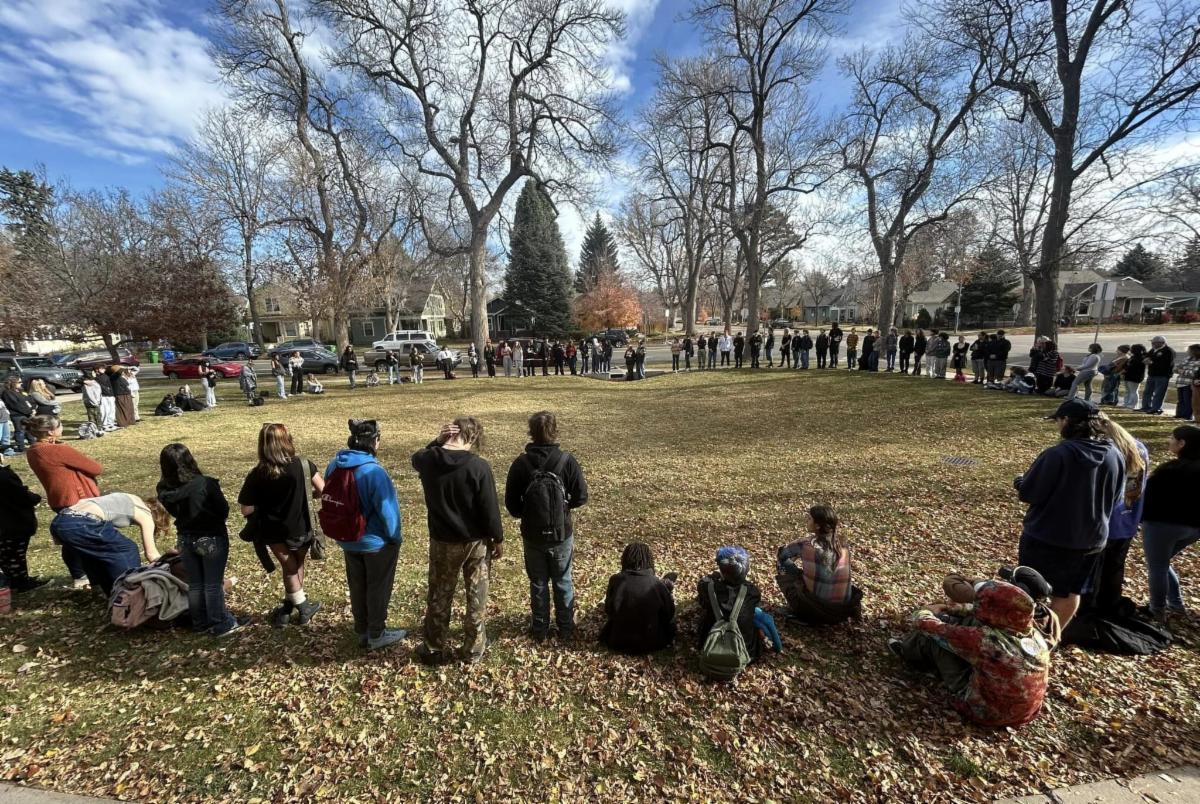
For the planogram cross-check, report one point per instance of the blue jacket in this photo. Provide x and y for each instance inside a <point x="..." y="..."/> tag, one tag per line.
<point x="1072" y="488"/>
<point x="376" y="497"/>
<point x="1123" y="524"/>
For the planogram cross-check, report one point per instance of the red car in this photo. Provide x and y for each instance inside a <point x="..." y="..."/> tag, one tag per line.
<point x="188" y="368"/>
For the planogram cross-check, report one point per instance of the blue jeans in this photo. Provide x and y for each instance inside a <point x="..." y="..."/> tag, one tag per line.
<point x="803" y="359"/>
<point x="5" y="436"/>
<point x="891" y="359"/>
<point x="1183" y="408"/>
<point x="1162" y="542"/>
<point x="546" y="565"/>
<point x="206" y="582"/>
<point x="1154" y="394"/>
<point x="96" y="546"/>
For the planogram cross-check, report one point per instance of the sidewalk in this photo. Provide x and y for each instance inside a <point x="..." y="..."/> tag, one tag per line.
<point x="1179" y="785"/>
<point x="14" y="794"/>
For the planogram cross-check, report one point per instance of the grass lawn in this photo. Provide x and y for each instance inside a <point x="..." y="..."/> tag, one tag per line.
<point x="687" y="463"/>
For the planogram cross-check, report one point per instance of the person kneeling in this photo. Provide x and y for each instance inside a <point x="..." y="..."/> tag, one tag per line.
<point x="995" y="669"/>
<point x="640" y="606"/>
<point x="814" y="574"/>
<point x="313" y="385"/>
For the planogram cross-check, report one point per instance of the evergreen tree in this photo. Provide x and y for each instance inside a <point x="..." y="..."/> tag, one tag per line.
<point x="990" y="293"/>
<point x="538" y="275"/>
<point x="1185" y="273"/>
<point x="25" y="202"/>
<point x="597" y="257"/>
<point x="1140" y="264"/>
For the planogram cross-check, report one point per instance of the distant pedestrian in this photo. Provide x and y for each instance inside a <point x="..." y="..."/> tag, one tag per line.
<point x="1086" y="372"/>
<point x="279" y="373"/>
<point x="296" y="365"/>
<point x="416" y="362"/>
<point x="1160" y="365"/>
<point x="349" y="365"/>
<point x="1185" y="384"/>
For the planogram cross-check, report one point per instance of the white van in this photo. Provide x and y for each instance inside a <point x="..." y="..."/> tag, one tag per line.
<point x="393" y="339"/>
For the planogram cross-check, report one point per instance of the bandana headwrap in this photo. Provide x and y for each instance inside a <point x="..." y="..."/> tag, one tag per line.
<point x="734" y="562"/>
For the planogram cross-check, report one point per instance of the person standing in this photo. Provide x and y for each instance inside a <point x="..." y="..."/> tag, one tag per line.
<point x="350" y="366"/>
<point x="519" y="358"/>
<point x="835" y="343"/>
<point x="891" y="343"/>
<point x="489" y="358"/>
<point x="67" y="476"/>
<point x="906" y="345"/>
<point x="416" y="362"/>
<point x="739" y="349"/>
<point x="920" y="344"/>
<point x="870" y="352"/>
<point x="796" y="350"/>
<point x="20" y="409"/>
<point x="959" y="357"/>
<point x="687" y="353"/>
<point x="676" y="351"/>
<point x="755" y="342"/>
<point x="392" y="364"/>
<point x="1086" y="373"/>
<point x="822" y="349"/>
<point x="135" y="390"/>
<point x="1189" y="371"/>
<point x="122" y="398"/>
<point x="1133" y="374"/>
<point x="639" y="359"/>
<point x="607" y="350"/>
<point x="465" y="536"/>
<point x="1160" y="367"/>
<point x="209" y="381"/>
<point x="445" y="361"/>
<point x="200" y="511"/>
<point x="630" y="360"/>
<point x="572" y="357"/>
<point x="804" y="344"/>
<point x="506" y="358"/>
<point x="998" y="356"/>
<point x="108" y="403"/>
<point x="371" y="557"/>
<point x="1123" y="524"/>
<point x="296" y="364"/>
<point x="17" y="527"/>
<point x="979" y="353"/>
<point x="473" y="360"/>
<point x="770" y="346"/>
<point x="1171" y="521"/>
<point x="852" y="350"/>
<point x="785" y="349"/>
<point x="274" y="500"/>
<point x="278" y="372"/>
<point x="1071" y="489"/>
<point x="91" y="401"/>
<point x="1111" y="387"/>
<point x="713" y="344"/>
<point x="702" y="351"/>
<point x="542" y="488"/>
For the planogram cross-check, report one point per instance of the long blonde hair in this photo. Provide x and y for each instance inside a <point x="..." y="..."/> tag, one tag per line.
<point x="1125" y="443"/>
<point x="39" y="386"/>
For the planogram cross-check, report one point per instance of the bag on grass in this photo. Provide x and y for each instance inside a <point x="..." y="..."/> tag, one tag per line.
<point x="544" y="509"/>
<point x="341" y="515"/>
<point x="88" y="431"/>
<point x="724" y="654"/>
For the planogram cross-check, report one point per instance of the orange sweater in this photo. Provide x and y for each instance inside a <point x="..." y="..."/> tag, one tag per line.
<point x="66" y="474"/>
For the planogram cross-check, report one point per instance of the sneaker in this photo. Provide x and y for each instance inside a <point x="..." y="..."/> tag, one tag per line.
<point x="894" y="645"/>
<point x="282" y="615"/>
<point x="538" y="636"/>
<point x="29" y="584"/>
<point x="306" y="611"/>
<point x="390" y="636"/>
<point x="81" y="583"/>
<point x="238" y="624"/>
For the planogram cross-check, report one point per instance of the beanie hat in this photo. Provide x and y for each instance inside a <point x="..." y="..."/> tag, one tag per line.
<point x="733" y="562"/>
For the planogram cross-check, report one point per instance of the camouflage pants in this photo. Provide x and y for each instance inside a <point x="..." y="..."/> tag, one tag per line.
<point x="446" y="562"/>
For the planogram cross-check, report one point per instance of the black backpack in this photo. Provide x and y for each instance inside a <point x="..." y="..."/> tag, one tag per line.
<point x="544" y="509"/>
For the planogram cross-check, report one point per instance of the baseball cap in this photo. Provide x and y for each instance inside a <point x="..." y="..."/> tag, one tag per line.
<point x="1077" y="409"/>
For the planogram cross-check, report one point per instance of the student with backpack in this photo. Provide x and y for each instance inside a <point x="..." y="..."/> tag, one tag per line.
<point x="465" y="536"/>
<point x="200" y="511"/>
<point x="544" y="485"/>
<point x="639" y="606"/>
<point x="274" y="500"/>
<point x="726" y="634"/>
<point x="360" y="511"/>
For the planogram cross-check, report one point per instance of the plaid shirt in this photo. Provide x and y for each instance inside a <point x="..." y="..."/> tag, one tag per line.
<point x="827" y="582"/>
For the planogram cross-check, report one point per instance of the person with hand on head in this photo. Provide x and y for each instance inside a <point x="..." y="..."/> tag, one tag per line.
<point x="639" y="606"/>
<point x="1071" y="489"/>
<point x="465" y="536"/>
<point x="274" y="500"/>
<point x="543" y="486"/>
<point x="370" y="542"/>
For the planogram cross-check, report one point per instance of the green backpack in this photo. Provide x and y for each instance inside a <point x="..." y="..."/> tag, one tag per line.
<point x="724" y="654"/>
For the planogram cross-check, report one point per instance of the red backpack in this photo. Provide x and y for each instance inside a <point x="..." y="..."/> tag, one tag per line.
<point x="341" y="514"/>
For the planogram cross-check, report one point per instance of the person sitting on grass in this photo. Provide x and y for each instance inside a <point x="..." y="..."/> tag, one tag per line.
<point x="733" y="565"/>
<point x="1020" y="381"/>
<point x="639" y="605"/>
<point x="312" y="385"/>
<point x="814" y="573"/>
<point x="373" y="379"/>
<point x="996" y="669"/>
<point x="1062" y="383"/>
<point x="167" y="407"/>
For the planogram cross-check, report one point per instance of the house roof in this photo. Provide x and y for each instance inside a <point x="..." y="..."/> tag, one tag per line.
<point x="500" y="305"/>
<point x="1131" y="288"/>
<point x="937" y="293"/>
<point x="1084" y="277"/>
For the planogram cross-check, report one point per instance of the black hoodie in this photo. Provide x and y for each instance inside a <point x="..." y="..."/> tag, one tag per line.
<point x="521" y="473"/>
<point x="1071" y="489"/>
<point x="199" y="505"/>
<point x="460" y="495"/>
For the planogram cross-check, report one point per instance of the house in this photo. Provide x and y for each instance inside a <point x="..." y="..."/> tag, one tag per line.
<point x="1132" y="299"/>
<point x="423" y="307"/>
<point x="849" y="303"/>
<point x="279" y="315"/>
<point x="938" y="298"/>
<point x="508" y="316"/>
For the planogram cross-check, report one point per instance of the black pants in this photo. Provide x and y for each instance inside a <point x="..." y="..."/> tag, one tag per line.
<point x="833" y="356"/>
<point x="785" y="357"/>
<point x="558" y="368"/>
<point x="822" y="358"/>
<point x="674" y="362"/>
<point x="297" y="381"/>
<point x="491" y="365"/>
<point x="753" y="358"/>
<point x="916" y="365"/>
<point x="13" y="547"/>
<point x="370" y="577"/>
<point x="712" y="359"/>
<point x="905" y="358"/>
<point x="737" y="359"/>
<point x="1110" y="574"/>
<point x="725" y="358"/>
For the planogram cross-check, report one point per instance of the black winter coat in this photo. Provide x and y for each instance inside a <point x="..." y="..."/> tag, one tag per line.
<point x="641" y="613"/>
<point x="521" y="473"/>
<point x="199" y="506"/>
<point x="460" y="495"/>
<point x="726" y="595"/>
<point x="18" y="504"/>
<point x="1169" y="493"/>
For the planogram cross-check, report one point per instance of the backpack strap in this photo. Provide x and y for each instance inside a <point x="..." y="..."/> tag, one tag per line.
<point x="712" y="599"/>
<point x="737" y="604"/>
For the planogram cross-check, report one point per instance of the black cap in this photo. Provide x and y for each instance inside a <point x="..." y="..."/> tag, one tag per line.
<point x="1077" y="409"/>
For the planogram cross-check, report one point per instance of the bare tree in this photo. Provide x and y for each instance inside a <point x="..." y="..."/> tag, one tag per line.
<point x="905" y="142"/>
<point x="483" y="93"/>
<point x="231" y="164"/>
<point x="1098" y="77"/>
<point x="337" y="191"/>
<point x="766" y="52"/>
<point x="656" y="232"/>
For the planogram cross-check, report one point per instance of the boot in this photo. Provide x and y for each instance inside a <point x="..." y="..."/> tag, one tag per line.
<point x="282" y="616"/>
<point x="306" y="610"/>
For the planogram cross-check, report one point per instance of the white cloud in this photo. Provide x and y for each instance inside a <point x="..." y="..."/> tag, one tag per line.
<point x="113" y="78"/>
<point x="638" y="16"/>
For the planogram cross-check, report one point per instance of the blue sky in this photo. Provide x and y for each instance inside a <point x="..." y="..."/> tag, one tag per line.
<point x="101" y="91"/>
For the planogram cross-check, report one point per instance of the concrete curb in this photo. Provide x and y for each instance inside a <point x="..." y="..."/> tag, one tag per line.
<point x="1180" y="785"/>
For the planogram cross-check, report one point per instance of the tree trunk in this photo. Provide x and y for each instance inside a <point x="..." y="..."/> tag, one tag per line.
<point x="478" y="282"/>
<point x="340" y="330"/>
<point x="753" y="292"/>
<point x="1046" y="304"/>
<point x="111" y="346"/>
<point x="1025" y="306"/>
<point x="887" y="296"/>
<point x="251" y="302"/>
<point x="689" y="307"/>
<point x="204" y="341"/>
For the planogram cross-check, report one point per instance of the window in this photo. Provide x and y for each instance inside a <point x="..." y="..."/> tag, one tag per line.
<point x="291" y="330"/>
<point x="272" y="305"/>
<point x="1083" y="308"/>
<point x="368" y="329"/>
<point x="1127" y="307"/>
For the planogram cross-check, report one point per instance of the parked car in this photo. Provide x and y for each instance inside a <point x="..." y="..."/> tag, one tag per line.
<point x="37" y="367"/>
<point x="234" y="350"/>
<point x="96" y="358"/>
<point x="377" y="358"/>
<point x="781" y="323"/>
<point x="188" y="368"/>
<point x="714" y="321"/>
<point x="400" y="336"/>
<point x="618" y="337"/>
<point x="287" y="347"/>
<point x="318" y="361"/>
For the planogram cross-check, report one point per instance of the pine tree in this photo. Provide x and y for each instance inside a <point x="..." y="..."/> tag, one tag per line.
<point x="1140" y="264"/>
<point x="1186" y="270"/>
<point x="597" y="257"/>
<point x="538" y="275"/>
